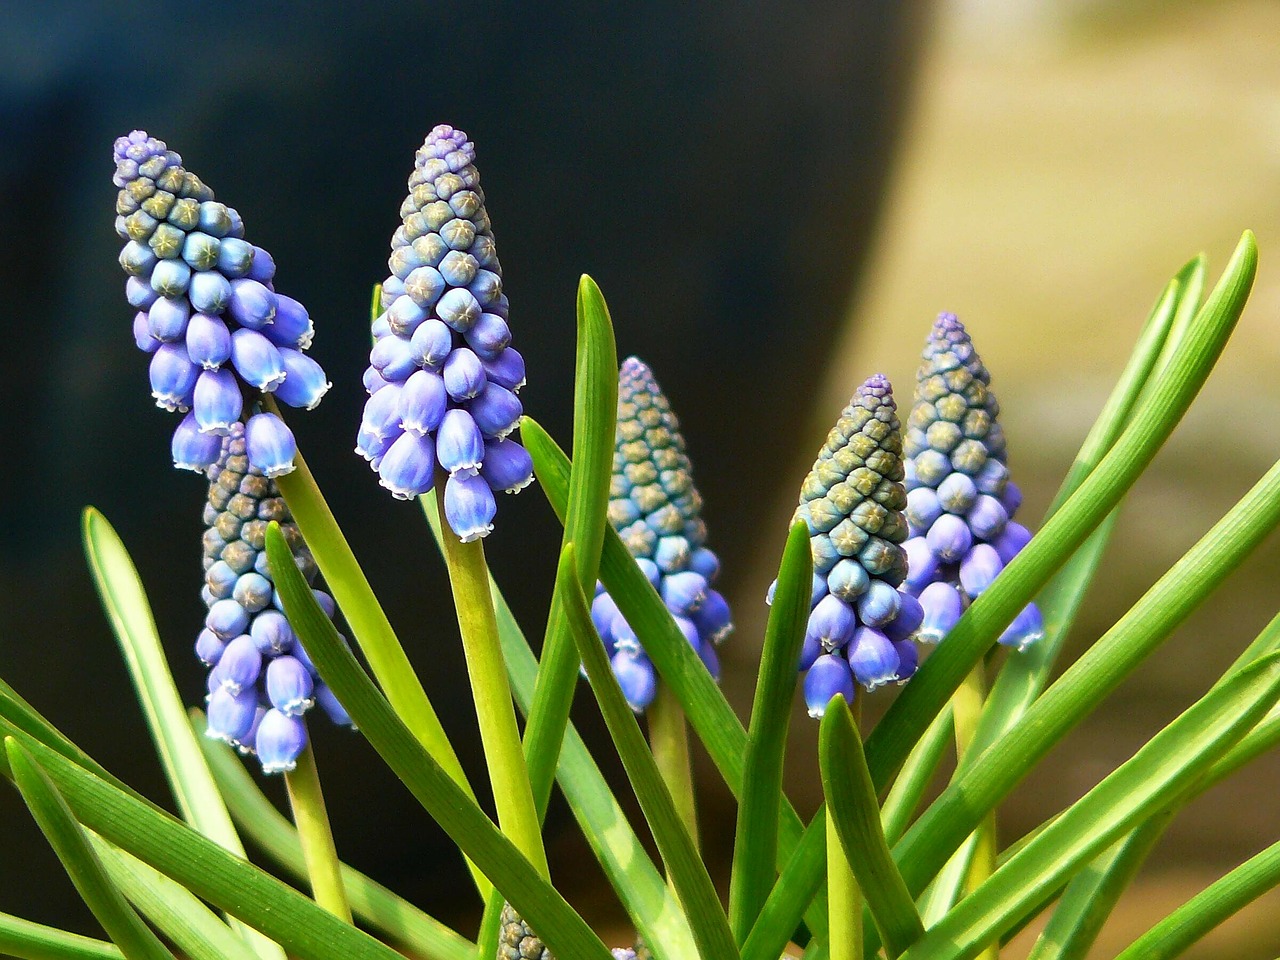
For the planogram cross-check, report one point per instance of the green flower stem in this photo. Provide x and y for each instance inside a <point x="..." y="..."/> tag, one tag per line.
<point x="312" y="820"/>
<point x="844" y="901"/>
<point x="966" y="708"/>
<point x="669" y="741"/>
<point x="368" y="622"/>
<point x="34" y="941"/>
<point x="504" y="755"/>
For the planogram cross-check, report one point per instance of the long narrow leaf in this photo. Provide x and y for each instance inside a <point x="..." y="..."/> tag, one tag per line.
<point x="533" y="897"/>
<point x="125" y="601"/>
<point x="685" y="868"/>
<point x="797" y="885"/>
<point x="755" y="847"/>
<point x="917" y="773"/>
<point x="69" y="842"/>
<point x="1163" y="767"/>
<point x="34" y="941"/>
<point x="852" y="808"/>
<point x="263" y="825"/>
<point x="921" y="700"/>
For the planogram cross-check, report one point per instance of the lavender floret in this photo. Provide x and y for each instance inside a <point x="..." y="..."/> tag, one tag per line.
<point x="208" y="312"/>
<point x="442" y="378"/>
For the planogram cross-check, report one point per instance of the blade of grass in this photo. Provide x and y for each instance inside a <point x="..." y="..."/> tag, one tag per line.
<point x="797" y="885"/>
<point x="34" y="941"/>
<point x="755" y="847"/>
<point x="917" y="773"/>
<point x="104" y="899"/>
<point x="685" y="868"/>
<point x="558" y="925"/>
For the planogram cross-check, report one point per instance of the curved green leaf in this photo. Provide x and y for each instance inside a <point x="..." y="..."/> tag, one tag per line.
<point x="798" y="884"/>
<point x="34" y="941"/>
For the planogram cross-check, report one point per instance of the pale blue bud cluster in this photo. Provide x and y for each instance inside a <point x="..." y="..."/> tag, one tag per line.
<point x="657" y="512"/>
<point x="442" y="378"/>
<point x="261" y="681"/>
<point x="207" y="311"/>
<point x="861" y="627"/>
<point x="960" y="500"/>
<point x="516" y="941"/>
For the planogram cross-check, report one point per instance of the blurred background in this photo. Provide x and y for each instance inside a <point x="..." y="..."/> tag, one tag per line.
<point x="776" y="200"/>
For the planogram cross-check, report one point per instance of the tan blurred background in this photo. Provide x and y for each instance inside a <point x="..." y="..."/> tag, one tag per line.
<point x="1062" y="160"/>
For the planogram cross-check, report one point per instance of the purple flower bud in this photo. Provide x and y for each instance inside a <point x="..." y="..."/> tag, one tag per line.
<point x="372" y="381"/>
<point x="279" y="742"/>
<point x="167" y="319"/>
<point x="235" y="257"/>
<point x="713" y="618"/>
<point x="289" y="686"/>
<point x="464" y="377"/>
<point x="227" y="619"/>
<point x="810" y="650"/>
<point x="908" y="659"/>
<point x="405" y="316"/>
<point x="979" y="569"/>
<point x="848" y="580"/>
<point x="922" y="565"/>
<point x="173" y="377"/>
<point x="424" y="285"/>
<point x="208" y="341"/>
<point x="193" y="450"/>
<point x="170" y="278"/>
<point x="496" y="411"/>
<point x="923" y="508"/>
<point x="408" y="467"/>
<point x="603" y="612"/>
<point x="210" y="291"/>
<point x="879" y="604"/>
<point x="240" y="664"/>
<point x="422" y="404"/>
<point x="457" y="268"/>
<point x="252" y="591"/>
<point x="705" y="562"/>
<point x="623" y="636"/>
<point x="304" y="384"/>
<point x="269" y="444"/>
<point x="209" y="647"/>
<point x="257" y="360"/>
<point x="942" y="609"/>
<point x="829" y="675"/>
<point x="382" y="411"/>
<point x="956" y="493"/>
<point x="393" y="358"/>
<point x="506" y="370"/>
<point x="263" y="267"/>
<point x="949" y="538"/>
<point x="672" y="554"/>
<point x="459" y="445"/>
<point x="486" y="287"/>
<point x="431" y="343"/>
<point x="272" y="634"/>
<point x="329" y="703"/>
<point x="488" y="336"/>
<point x="251" y="305"/>
<point x="137" y="259"/>
<point x="910" y="616"/>
<point x="650" y="570"/>
<point x="142" y="333"/>
<point x="1011" y="542"/>
<point x="459" y="309"/>
<point x="992" y="478"/>
<point x="230" y="716"/>
<point x="831" y="623"/>
<point x="1011" y="498"/>
<point x="1026" y="629"/>
<point x="469" y="506"/>
<point x="872" y="658"/>
<point x="138" y="293"/>
<point x="217" y="401"/>
<point x="292" y="326"/>
<point x="507" y="466"/>
<point x="987" y="518"/>
<point x="636" y="677"/>
<point x="684" y="592"/>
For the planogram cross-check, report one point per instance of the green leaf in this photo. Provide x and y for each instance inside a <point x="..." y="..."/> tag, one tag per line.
<point x="176" y="912"/>
<point x="685" y="868"/>
<point x="676" y="661"/>
<point x="917" y="773"/>
<point x="1087" y="682"/>
<point x="563" y="931"/>
<point x="34" y="941"/>
<point x="125" y="602"/>
<point x="852" y="808"/>
<point x="126" y="929"/>
<point x="228" y="882"/>
<point x="939" y="677"/>
<point x="1177" y="932"/>
<point x="645" y="896"/>
<point x="755" y="847"/>
<point x="369" y="624"/>
<point x="798" y="884"/>
<point x="1157" y="773"/>
<point x="263" y="825"/>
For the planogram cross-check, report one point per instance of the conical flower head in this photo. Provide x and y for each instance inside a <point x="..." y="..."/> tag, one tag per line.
<point x="261" y="681"/>
<point x="657" y="512"/>
<point x="207" y="310"/>
<point x="852" y="502"/>
<point x="960" y="500"/>
<point x="442" y="377"/>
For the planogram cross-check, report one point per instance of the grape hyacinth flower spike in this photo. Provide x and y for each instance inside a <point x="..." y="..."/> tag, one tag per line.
<point x="261" y="682"/>
<point x="442" y="378"/>
<point x="657" y="511"/>
<point x="517" y="942"/>
<point x="208" y="312"/>
<point x="960" y="500"/>
<point x="860" y="626"/>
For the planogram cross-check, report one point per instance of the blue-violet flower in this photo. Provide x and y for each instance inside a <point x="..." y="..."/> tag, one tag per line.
<point x="860" y="626"/>
<point x="960" y="500"/>
<point x="261" y="681"/>
<point x="207" y="311"/>
<point x="657" y="512"/>
<point x="442" y="380"/>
